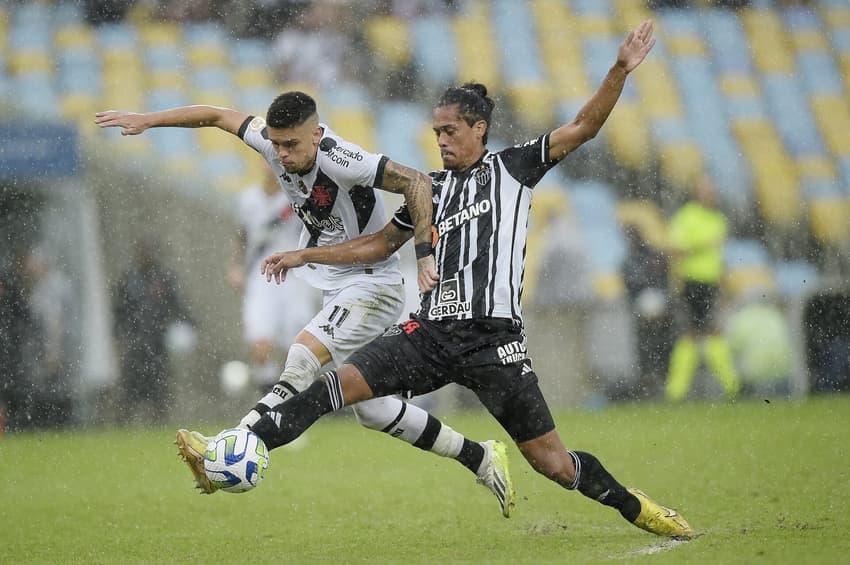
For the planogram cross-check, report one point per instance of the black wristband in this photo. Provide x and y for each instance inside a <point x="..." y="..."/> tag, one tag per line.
<point x="423" y="250"/>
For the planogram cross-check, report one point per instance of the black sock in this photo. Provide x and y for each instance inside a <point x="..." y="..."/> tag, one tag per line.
<point x="471" y="452"/>
<point x="292" y="418"/>
<point x="593" y="481"/>
<point x="471" y="455"/>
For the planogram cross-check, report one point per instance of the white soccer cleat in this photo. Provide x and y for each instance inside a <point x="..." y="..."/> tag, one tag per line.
<point x="495" y="475"/>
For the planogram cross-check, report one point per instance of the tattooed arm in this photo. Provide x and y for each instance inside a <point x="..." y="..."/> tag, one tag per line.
<point x="416" y="188"/>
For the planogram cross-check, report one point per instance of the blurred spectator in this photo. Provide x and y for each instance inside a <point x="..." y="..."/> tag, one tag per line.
<point x="16" y="390"/>
<point x="319" y="47"/>
<point x="268" y="224"/>
<point x="146" y="304"/>
<point x="106" y="11"/>
<point x="51" y="302"/>
<point x="761" y="345"/>
<point x="645" y="273"/>
<point x="697" y="232"/>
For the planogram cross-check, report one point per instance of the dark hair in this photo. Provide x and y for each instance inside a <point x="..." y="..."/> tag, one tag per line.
<point x="290" y="109"/>
<point x="473" y="103"/>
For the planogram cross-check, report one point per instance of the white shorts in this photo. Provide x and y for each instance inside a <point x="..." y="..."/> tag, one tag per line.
<point x="353" y="316"/>
<point x="276" y="312"/>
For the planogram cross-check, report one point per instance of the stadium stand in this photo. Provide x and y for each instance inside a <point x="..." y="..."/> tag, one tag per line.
<point x="765" y="112"/>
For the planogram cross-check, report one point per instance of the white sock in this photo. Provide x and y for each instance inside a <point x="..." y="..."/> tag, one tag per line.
<point x="299" y="372"/>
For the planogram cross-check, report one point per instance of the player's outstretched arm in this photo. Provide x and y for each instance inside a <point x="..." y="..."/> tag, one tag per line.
<point x="366" y="249"/>
<point x="132" y="123"/>
<point x="417" y="191"/>
<point x="593" y="114"/>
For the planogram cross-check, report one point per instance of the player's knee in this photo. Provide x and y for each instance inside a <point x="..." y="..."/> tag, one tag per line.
<point x="379" y="413"/>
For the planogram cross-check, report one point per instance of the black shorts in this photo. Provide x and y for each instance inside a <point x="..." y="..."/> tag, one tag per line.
<point x="487" y="356"/>
<point x="700" y="298"/>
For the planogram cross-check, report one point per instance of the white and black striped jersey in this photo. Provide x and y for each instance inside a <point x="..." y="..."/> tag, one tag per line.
<point x="336" y="201"/>
<point x="481" y="219"/>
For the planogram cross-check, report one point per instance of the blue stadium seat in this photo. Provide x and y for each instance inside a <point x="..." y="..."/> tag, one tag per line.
<point x="789" y="108"/>
<point x="434" y="50"/>
<point x="819" y="73"/>
<point x="745" y="253"/>
<point x="795" y="278"/>
<point x="398" y="125"/>
<point x="595" y="206"/>
<point x="520" y="57"/>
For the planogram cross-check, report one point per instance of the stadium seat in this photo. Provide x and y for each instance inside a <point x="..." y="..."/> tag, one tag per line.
<point x="767" y="39"/>
<point x="646" y="216"/>
<point x="355" y="125"/>
<point x="434" y="51"/>
<point x="388" y="38"/>
<point x="795" y="278"/>
<point x="398" y="128"/>
<point x="748" y="267"/>
<point x="595" y="207"/>
<point x="477" y="52"/>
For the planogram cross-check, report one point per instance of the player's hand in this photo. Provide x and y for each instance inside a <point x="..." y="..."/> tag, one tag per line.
<point x="130" y="123"/>
<point x="635" y="46"/>
<point x="278" y="264"/>
<point x="427" y="273"/>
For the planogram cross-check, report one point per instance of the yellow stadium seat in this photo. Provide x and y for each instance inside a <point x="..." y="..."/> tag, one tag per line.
<point x="211" y="140"/>
<point x="532" y="104"/>
<point x="389" y="40"/>
<point x="30" y="61"/>
<point x="182" y="165"/>
<point x="476" y="46"/>
<point x="768" y="40"/>
<point x="122" y="60"/>
<point x="253" y="77"/>
<point x="659" y="97"/>
<point x="215" y="98"/>
<point x="832" y="112"/>
<point x="739" y="85"/>
<point x="608" y="286"/>
<point x="428" y="148"/>
<point x="828" y="220"/>
<point x="810" y="40"/>
<point x="171" y="79"/>
<point x="686" y="45"/>
<point x="355" y="125"/>
<point x="742" y="280"/>
<point x="647" y="217"/>
<point x="79" y="106"/>
<point x="208" y="55"/>
<point x="837" y="16"/>
<point x="630" y="14"/>
<point x="596" y="25"/>
<point x="74" y="36"/>
<point x="815" y="166"/>
<point x="681" y="164"/>
<point x="160" y="33"/>
<point x="628" y="136"/>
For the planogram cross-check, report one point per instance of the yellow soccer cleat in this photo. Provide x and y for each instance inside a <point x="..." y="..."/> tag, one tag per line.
<point x="190" y="448"/>
<point x="660" y="520"/>
<point x="495" y="475"/>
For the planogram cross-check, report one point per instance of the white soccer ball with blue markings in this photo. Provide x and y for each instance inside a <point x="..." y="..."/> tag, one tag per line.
<point x="236" y="460"/>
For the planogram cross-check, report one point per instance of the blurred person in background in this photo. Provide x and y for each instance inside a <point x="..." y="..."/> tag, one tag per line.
<point x="645" y="271"/>
<point x="147" y="303"/>
<point x="271" y="315"/>
<point x="761" y="345"/>
<point x="696" y="235"/>
<point x="16" y="331"/>
<point x="51" y="302"/>
<point x="333" y="186"/>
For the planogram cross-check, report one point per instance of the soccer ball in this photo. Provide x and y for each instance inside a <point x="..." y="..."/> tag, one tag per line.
<point x="236" y="460"/>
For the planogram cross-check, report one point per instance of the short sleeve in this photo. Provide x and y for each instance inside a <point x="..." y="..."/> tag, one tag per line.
<point x="529" y="161"/>
<point x="253" y="132"/>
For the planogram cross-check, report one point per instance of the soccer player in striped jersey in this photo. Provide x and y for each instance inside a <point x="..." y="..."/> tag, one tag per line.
<point x="469" y="329"/>
<point x="332" y="183"/>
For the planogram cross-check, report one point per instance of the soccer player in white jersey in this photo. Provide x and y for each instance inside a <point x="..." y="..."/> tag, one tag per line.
<point x="332" y="184"/>
<point x="271" y="317"/>
<point x="469" y="329"/>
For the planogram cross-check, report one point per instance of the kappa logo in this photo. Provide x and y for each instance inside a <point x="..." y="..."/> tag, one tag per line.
<point x="328" y="329"/>
<point x="391" y="331"/>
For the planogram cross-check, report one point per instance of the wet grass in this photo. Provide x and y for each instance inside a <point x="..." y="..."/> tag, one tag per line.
<point x="763" y="482"/>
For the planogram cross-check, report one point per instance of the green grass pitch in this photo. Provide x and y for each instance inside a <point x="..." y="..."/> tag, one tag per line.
<point x="762" y="482"/>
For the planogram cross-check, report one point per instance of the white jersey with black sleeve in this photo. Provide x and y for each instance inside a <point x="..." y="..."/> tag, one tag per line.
<point x="481" y="217"/>
<point x="337" y="201"/>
